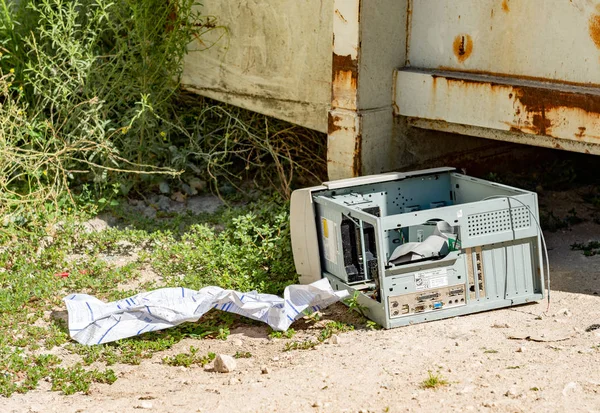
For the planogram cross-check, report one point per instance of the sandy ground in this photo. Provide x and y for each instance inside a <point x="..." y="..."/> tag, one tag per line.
<point x="382" y="371"/>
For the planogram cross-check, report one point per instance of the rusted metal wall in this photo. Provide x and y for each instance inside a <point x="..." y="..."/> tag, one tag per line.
<point x="400" y="83"/>
<point x="518" y="71"/>
<point x="274" y="59"/>
<point x="369" y="43"/>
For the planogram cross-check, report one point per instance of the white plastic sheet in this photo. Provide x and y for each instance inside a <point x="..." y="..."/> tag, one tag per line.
<point x="435" y="245"/>
<point x="92" y="321"/>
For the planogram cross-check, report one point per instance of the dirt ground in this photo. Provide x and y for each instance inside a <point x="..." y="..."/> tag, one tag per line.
<point x="382" y="371"/>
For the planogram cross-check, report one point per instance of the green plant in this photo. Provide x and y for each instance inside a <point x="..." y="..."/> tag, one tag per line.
<point x="242" y="355"/>
<point x="331" y="328"/>
<point x="354" y="305"/>
<point x="433" y="381"/>
<point x="372" y="325"/>
<point x="589" y="249"/>
<point x="187" y="359"/>
<point x="289" y="333"/>
<point x="252" y="252"/>
<point x="76" y="379"/>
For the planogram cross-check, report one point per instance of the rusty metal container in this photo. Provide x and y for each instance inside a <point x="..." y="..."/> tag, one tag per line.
<point x="383" y="78"/>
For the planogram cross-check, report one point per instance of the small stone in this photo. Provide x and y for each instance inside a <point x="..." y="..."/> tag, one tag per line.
<point x="144" y="405"/>
<point x="521" y="349"/>
<point x="224" y="364"/>
<point x="189" y="190"/>
<point x="264" y="369"/>
<point x="456" y="344"/>
<point x="489" y="404"/>
<point x="197" y="184"/>
<point x="563" y="312"/>
<point x="569" y="387"/>
<point x="178" y="197"/>
<point x="335" y="339"/>
<point x="317" y="404"/>
<point x="275" y="358"/>
<point x="501" y="325"/>
<point x="232" y="381"/>
<point x="238" y="342"/>
<point x="164" y="187"/>
<point x="510" y="393"/>
<point x="164" y="203"/>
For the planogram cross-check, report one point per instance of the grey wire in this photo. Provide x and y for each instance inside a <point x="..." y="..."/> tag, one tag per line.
<point x="541" y="234"/>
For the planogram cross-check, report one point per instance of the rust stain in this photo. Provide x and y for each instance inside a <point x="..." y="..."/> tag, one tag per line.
<point x="463" y="47"/>
<point x="595" y="27"/>
<point x="357" y="161"/>
<point x="536" y="104"/>
<point x="345" y="69"/>
<point x="536" y="100"/>
<point x="332" y="123"/>
<point x="541" y="124"/>
<point x="505" y="6"/>
<point x="514" y="76"/>
<point x="581" y="133"/>
<point x="339" y="14"/>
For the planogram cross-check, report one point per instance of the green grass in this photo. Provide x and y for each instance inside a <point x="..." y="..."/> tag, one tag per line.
<point x="434" y="381"/>
<point x="244" y="248"/>
<point x="331" y="328"/>
<point x="188" y="359"/>
<point x="289" y="333"/>
<point x="589" y="249"/>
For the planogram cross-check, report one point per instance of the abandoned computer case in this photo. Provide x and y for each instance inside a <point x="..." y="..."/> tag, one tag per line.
<point x="420" y="246"/>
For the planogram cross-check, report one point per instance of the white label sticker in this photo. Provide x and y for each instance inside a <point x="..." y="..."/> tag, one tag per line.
<point x="328" y="229"/>
<point x="425" y="280"/>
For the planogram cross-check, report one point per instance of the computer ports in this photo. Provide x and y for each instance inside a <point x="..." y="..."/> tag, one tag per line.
<point x="419" y="309"/>
<point x="427" y="297"/>
<point x="456" y="291"/>
<point x="438" y="305"/>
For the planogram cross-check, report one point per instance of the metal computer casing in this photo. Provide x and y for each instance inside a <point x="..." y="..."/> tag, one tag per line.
<point x="494" y="261"/>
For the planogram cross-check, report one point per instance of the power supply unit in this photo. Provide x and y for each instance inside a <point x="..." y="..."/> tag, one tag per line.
<point x="422" y="245"/>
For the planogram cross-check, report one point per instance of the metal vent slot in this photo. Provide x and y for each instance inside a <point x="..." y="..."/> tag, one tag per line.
<point x="498" y="221"/>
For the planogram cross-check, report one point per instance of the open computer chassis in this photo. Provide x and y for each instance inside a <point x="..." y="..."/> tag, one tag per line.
<point x="347" y="231"/>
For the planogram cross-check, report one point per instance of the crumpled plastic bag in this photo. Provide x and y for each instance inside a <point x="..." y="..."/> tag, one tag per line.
<point x="92" y="321"/>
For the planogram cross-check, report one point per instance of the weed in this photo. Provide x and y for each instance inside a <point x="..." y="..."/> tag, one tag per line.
<point x="354" y="305"/>
<point x="331" y="328"/>
<point x="372" y="325"/>
<point x="513" y="367"/>
<point x="490" y="351"/>
<point x="433" y="381"/>
<point x="589" y="249"/>
<point x="188" y="359"/>
<point x="289" y="333"/>
<point x="76" y="379"/>
<point x="535" y="389"/>
<point x="252" y="252"/>
<point x="242" y="355"/>
<point x="301" y="345"/>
